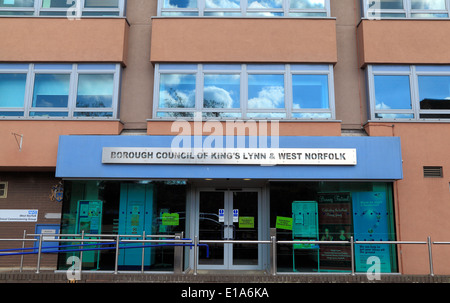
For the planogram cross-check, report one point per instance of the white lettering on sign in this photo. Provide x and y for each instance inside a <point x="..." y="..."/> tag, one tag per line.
<point x="245" y="156"/>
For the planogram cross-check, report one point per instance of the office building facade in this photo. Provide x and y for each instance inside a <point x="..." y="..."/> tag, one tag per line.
<point x="307" y="120"/>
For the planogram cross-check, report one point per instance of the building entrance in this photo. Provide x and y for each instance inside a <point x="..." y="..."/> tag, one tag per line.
<point x="229" y="214"/>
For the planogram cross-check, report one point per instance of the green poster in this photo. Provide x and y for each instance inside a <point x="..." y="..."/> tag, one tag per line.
<point x="171" y="219"/>
<point x="284" y="223"/>
<point x="246" y="222"/>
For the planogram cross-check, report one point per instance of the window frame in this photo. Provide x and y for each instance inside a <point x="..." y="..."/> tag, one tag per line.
<point x="244" y="71"/>
<point x="414" y="73"/>
<point x="407" y="10"/>
<point x="37" y="9"/>
<point x="71" y="108"/>
<point x="5" y="190"/>
<point x="244" y="11"/>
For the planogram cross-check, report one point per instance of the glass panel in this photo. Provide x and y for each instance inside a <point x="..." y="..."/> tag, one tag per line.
<point x="333" y="211"/>
<point x="264" y="4"/>
<point x="312" y="115"/>
<point x="49" y="114"/>
<point x="16" y="3"/>
<point x="434" y="92"/>
<point x="308" y="4"/>
<point x="392" y="92"/>
<point x="126" y="208"/>
<point x="221" y="115"/>
<point x="394" y="116"/>
<point x="177" y="91"/>
<point x="56" y="3"/>
<point x="385" y="4"/>
<point x="429" y="15"/>
<point x="266" y="115"/>
<point x="11" y="114"/>
<point x="221" y="91"/>
<point x="95" y="90"/>
<point x="265" y="91"/>
<point x="175" y="114"/>
<point x="101" y="3"/>
<point x="180" y="4"/>
<point x="305" y="15"/>
<point x="310" y="91"/>
<point x="236" y="4"/>
<point x="12" y="90"/>
<point x="51" y="90"/>
<point x="432" y="5"/>
<point x="210" y="227"/>
<point x="17" y="13"/>
<point x="93" y="114"/>
<point x="246" y="228"/>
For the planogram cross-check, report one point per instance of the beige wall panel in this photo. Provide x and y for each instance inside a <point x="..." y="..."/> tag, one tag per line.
<point x="63" y="40"/>
<point x="40" y="140"/>
<point x="243" y="40"/>
<point x="404" y="42"/>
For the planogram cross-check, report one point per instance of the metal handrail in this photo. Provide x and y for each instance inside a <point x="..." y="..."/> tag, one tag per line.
<point x="177" y="240"/>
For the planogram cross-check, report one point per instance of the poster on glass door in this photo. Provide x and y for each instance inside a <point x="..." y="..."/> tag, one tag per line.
<point x="371" y="224"/>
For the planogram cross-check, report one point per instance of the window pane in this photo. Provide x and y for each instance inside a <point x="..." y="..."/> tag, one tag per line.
<point x="265" y="4"/>
<point x="385" y="4"/>
<point x="308" y="4"/>
<point x="16" y="3"/>
<point x="265" y="91"/>
<point x="177" y="91"/>
<point x="93" y="114"/>
<point x="429" y="4"/>
<point x="12" y="90"/>
<point x="51" y="90"/>
<point x="434" y="92"/>
<point x="392" y="92"/>
<point x="221" y="91"/>
<point x="95" y="90"/>
<point x="310" y="91"/>
<point x="56" y="3"/>
<point x="180" y="4"/>
<point x="101" y="3"/>
<point x="223" y="4"/>
<point x="49" y="114"/>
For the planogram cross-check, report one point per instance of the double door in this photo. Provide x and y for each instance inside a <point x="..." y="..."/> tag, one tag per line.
<point x="229" y="214"/>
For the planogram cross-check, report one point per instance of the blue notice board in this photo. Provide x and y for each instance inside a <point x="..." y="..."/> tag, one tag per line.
<point x="49" y="230"/>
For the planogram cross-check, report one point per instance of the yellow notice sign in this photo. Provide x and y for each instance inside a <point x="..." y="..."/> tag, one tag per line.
<point x="284" y="223"/>
<point x="246" y="222"/>
<point x="171" y="219"/>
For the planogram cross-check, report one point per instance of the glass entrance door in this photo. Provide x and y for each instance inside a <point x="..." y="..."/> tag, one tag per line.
<point x="229" y="215"/>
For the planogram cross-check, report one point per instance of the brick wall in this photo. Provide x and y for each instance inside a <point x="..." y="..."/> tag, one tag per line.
<point x="28" y="191"/>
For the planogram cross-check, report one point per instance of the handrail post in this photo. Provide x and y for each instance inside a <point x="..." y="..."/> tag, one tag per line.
<point x="143" y="251"/>
<point x="430" y="256"/>
<point x="352" y="253"/>
<point x="195" y="254"/>
<point x="117" y="255"/>
<point x="178" y="256"/>
<point x="273" y="251"/>
<point x="23" y="246"/>
<point x="38" y="266"/>
<point x="81" y="252"/>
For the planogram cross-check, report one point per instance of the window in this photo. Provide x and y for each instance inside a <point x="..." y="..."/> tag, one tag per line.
<point x="409" y="92"/>
<point x="59" y="90"/>
<point x="406" y="8"/>
<point x="62" y="7"/>
<point x="234" y="91"/>
<point x="3" y="190"/>
<point x="244" y="8"/>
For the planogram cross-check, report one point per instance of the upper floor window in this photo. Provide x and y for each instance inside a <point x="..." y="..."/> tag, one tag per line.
<point x="62" y="7"/>
<point x="406" y="8"/>
<point x="244" y="8"/>
<point x="234" y="91"/>
<point x="409" y="92"/>
<point x="59" y="90"/>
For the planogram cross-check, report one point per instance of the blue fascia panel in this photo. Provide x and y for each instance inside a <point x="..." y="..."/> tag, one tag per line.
<point x="379" y="158"/>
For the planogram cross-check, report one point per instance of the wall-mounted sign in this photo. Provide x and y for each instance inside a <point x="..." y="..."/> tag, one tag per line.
<point x="18" y="215"/>
<point x="244" y="156"/>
